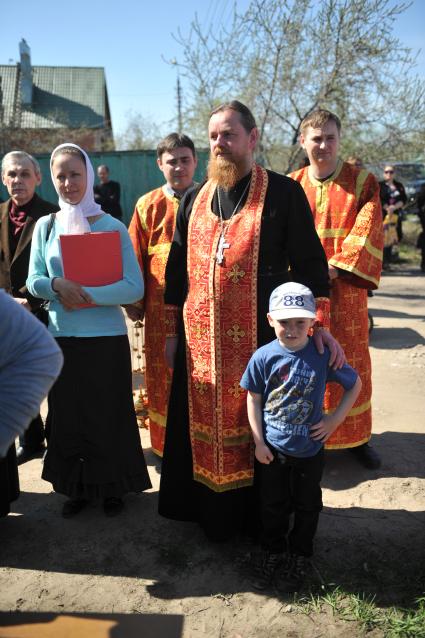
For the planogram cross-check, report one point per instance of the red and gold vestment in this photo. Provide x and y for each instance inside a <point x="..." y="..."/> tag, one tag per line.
<point x="220" y="317"/>
<point x="151" y="231"/>
<point x="348" y="219"/>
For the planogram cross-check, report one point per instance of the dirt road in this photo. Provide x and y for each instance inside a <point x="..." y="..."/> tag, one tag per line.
<point x="169" y="581"/>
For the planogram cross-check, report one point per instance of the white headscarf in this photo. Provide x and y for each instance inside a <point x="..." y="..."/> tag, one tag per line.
<point x="73" y="217"/>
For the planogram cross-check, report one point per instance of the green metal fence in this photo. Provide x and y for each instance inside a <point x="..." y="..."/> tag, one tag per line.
<point x="136" y="171"/>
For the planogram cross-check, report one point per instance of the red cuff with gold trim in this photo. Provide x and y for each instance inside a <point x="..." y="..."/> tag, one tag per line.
<point x="323" y="308"/>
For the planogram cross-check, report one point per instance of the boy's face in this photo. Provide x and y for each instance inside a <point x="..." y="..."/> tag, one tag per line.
<point x="292" y="333"/>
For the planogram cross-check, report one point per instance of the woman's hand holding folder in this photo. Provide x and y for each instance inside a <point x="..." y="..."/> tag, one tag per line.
<point x="71" y="295"/>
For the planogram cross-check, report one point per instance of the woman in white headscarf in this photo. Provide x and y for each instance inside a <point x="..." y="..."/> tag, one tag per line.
<point x="94" y="448"/>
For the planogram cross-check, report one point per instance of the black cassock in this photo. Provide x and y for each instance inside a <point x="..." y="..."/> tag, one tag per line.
<point x="288" y="240"/>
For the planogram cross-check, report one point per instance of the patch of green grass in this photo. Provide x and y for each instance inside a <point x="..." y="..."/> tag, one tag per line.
<point x="411" y="229"/>
<point x="309" y="604"/>
<point x="407" y="247"/>
<point x="361" y="609"/>
<point x="409" y="253"/>
<point x="407" y="623"/>
<point x="334" y="598"/>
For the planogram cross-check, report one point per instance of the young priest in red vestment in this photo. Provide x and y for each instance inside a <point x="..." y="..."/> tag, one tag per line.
<point x="151" y="231"/>
<point x="348" y="219"/>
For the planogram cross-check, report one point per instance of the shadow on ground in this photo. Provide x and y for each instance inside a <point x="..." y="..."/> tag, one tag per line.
<point x="377" y="551"/>
<point x="394" y="338"/>
<point x="402" y="271"/>
<point x="402" y="456"/>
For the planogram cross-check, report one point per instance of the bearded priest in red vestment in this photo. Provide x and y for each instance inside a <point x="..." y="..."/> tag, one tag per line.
<point x="237" y="236"/>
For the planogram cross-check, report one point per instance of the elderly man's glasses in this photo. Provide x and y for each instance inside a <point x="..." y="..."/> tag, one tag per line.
<point x="388" y="171"/>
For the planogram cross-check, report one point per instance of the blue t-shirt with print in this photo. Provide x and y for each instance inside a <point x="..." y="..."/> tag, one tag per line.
<point x="292" y="385"/>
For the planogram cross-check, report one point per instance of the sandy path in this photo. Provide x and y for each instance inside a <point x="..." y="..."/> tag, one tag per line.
<point x="169" y="581"/>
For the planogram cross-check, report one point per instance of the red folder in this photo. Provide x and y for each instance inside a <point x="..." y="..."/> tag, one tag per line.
<point x="92" y="259"/>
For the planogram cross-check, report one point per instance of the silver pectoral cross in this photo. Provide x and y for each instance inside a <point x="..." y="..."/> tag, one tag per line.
<point x="222" y="244"/>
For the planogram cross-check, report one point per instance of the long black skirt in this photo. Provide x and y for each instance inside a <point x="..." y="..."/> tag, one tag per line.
<point x="221" y="515"/>
<point x="9" y="480"/>
<point x="94" y="444"/>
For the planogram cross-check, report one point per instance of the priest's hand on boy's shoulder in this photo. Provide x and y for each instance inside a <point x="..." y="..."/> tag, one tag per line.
<point x="322" y="338"/>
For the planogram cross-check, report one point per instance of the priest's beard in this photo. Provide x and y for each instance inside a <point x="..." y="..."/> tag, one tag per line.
<point x="223" y="171"/>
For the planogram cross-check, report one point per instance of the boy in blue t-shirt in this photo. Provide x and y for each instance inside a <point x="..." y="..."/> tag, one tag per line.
<point x="286" y="382"/>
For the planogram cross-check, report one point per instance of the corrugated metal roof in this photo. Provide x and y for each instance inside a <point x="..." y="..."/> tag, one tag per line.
<point x="9" y="92"/>
<point x="62" y="96"/>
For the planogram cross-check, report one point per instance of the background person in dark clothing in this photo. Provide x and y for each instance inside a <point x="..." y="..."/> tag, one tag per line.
<point x="393" y="198"/>
<point x="421" y="238"/>
<point x="18" y="215"/>
<point x="107" y="193"/>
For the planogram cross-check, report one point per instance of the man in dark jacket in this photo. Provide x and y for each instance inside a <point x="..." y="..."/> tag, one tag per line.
<point x="107" y="193"/>
<point x="421" y="238"/>
<point x="18" y="215"/>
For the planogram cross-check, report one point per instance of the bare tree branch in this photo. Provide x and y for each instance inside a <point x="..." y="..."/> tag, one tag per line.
<point x="284" y="58"/>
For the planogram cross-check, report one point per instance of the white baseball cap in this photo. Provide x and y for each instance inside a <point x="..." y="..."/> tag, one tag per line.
<point x="292" y="300"/>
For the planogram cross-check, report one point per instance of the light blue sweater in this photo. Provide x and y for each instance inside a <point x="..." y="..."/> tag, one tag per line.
<point x="107" y="318"/>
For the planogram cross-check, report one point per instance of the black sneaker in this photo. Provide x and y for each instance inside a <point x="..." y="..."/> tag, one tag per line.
<point x="264" y="568"/>
<point x="291" y="576"/>
<point x="25" y="453"/>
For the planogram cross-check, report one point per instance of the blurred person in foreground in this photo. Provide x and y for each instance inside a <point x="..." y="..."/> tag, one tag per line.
<point x="236" y="238"/>
<point x="18" y="215"/>
<point x="30" y="361"/>
<point x="151" y="231"/>
<point x="348" y="219"/>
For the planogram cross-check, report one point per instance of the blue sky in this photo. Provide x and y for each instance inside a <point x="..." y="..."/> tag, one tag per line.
<point x="130" y="39"/>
